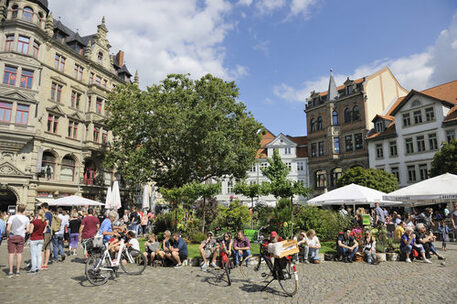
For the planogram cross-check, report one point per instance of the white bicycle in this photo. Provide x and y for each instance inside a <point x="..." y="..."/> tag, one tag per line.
<point x="99" y="268"/>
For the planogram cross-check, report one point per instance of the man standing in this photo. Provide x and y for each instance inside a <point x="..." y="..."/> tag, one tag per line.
<point x="242" y="247"/>
<point x="57" y="239"/>
<point x="15" y="231"/>
<point x="380" y="215"/>
<point x="88" y="228"/>
<point x="347" y="246"/>
<point x="343" y="211"/>
<point x="46" y="250"/>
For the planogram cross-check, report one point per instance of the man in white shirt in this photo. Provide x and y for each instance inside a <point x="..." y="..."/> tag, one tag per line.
<point x="18" y="224"/>
<point x="57" y="238"/>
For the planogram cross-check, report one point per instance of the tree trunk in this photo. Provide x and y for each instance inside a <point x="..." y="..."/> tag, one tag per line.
<point x="292" y="217"/>
<point x="252" y="213"/>
<point x="203" y="215"/>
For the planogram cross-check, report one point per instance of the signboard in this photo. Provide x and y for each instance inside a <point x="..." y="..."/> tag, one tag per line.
<point x="12" y="209"/>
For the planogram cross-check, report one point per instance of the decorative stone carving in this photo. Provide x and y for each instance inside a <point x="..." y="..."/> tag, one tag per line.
<point x="8" y="169"/>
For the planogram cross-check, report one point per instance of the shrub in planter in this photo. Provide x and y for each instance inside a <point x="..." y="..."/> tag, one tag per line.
<point x="197" y="237"/>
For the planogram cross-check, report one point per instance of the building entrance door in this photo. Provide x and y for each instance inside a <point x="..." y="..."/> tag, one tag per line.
<point x="7" y="198"/>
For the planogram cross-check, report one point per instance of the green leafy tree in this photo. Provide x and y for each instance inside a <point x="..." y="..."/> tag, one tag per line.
<point x="205" y="192"/>
<point x="372" y="178"/>
<point x="445" y="160"/>
<point x="251" y="191"/>
<point x="232" y="218"/>
<point x="180" y="131"/>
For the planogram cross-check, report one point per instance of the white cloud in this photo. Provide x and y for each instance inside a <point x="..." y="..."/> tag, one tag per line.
<point x="436" y="65"/>
<point x="160" y="36"/>
<point x="245" y="2"/>
<point x="268" y="6"/>
<point x="302" y="7"/>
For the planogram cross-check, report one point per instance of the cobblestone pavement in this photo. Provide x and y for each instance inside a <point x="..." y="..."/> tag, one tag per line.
<point x="329" y="282"/>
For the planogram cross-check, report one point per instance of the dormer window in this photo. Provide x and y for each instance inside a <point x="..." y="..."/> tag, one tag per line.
<point x="349" y="90"/>
<point x="379" y="126"/>
<point x="100" y="57"/>
<point x="78" y="49"/>
<point x="27" y="14"/>
<point x="60" y="37"/>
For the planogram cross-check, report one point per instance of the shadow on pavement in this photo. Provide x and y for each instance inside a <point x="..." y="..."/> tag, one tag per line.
<point x="253" y="287"/>
<point x="78" y="260"/>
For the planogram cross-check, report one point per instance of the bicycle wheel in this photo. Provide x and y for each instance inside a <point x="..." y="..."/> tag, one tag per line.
<point x="95" y="272"/>
<point x="289" y="279"/>
<point x="226" y="266"/>
<point x="258" y="269"/>
<point x="133" y="262"/>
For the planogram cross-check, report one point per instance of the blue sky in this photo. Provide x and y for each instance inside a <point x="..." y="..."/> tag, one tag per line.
<point x="277" y="51"/>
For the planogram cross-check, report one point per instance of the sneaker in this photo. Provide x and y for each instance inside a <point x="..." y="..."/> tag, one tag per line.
<point x="204" y="266"/>
<point x="63" y="257"/>
<point x="10" y="275"/>
<point x="214" y="265"/>
<point x="408" y="260"/>
<point x="427" y="261"/>
<point x="17" y="273"/>
<point x="44" y="267"/>
<point x="185" y="263"/>
<point x="32" y="271"/>
<point x="306" y="261"/>
<point x="178" y="266"/>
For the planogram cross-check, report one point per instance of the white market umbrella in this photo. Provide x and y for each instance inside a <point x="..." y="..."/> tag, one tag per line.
<point x="352" y="195"/>
<point x="109" y="199"/>
<point x="439" y="189"/>
<point x="73" y="200"/>
<point x="116" y="196"/>
<point x="153" y="199"/>
<point x="145" y="200"/>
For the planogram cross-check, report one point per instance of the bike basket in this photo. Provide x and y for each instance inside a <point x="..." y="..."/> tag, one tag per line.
<point x="284" y="248"/>
<point x="98" y="241"/>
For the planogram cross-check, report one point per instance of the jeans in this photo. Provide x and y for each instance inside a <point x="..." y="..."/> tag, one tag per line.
<point x="313" y="254"/>
<point x="57" y="246"/>
<point x="371" y="258"/>
<point x="246" y="253"/>
<point x="35" y="253"/>
<point x="135" y="227"/>
<point x="346" y="253"/>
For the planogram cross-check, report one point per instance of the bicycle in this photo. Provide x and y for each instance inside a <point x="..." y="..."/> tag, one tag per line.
<point x="226" y="263"/>
<point x="100" y="268"/>
<point x="281" y="269"/>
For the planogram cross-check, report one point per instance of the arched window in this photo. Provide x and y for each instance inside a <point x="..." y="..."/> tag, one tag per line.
<point x="313" y="125"/>
<point x="321" y="179"/>
<point x="14" y="10"/>
<point x="347" y="115"/>
<point x="48" y="165"/>
<point x="319" y="123"/>
<point x="355" y="113"/>
<point x="27" y="14"/>
<point x="336" y="174"/>
<point x="67" y="172"/>
<point x="335" y="118"/>
<point x="100" y="57"/>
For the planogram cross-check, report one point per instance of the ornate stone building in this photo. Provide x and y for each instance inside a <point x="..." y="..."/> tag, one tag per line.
<point x="338" y="121"/>
<point x="52" y="105"/>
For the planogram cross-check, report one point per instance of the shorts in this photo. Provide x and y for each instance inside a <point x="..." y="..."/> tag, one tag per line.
<point x="46" y="241"/>
<point x="16" y="244"/>
<point x="208" y="253"/>
<point x="182" y="257"/>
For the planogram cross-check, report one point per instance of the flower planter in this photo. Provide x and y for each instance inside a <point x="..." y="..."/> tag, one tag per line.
<point x="381" y="257"/>
<point x="392" y="256"/>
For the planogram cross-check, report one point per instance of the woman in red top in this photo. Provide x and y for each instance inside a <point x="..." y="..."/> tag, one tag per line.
<point x="36" y="230"/>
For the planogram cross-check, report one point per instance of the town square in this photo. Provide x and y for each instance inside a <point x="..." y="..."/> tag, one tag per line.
<point x="228" y="151"/>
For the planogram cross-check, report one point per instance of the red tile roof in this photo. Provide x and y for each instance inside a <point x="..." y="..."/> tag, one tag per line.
<point x="451" y="115"/>
<point x="341" y="87"/>
<point x="388" y="131"/>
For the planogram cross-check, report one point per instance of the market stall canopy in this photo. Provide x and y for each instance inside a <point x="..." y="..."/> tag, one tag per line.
<point x="351" y="195"/>
<point x="439" y="189"/>
<point x="73" y="200"/>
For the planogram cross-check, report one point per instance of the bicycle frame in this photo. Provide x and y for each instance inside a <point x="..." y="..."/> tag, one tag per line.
<point x="115" y="263"/>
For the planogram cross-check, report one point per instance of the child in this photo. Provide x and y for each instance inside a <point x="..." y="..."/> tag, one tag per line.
<point x="152" y="248"/>
<point x="132" y="241"/>
<point x="444" y="231"/>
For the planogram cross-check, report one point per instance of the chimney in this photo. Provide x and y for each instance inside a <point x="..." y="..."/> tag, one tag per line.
<point x="120" y="58"/>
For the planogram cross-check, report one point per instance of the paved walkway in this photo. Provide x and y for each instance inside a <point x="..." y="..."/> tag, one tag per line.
<point x="329" y="282"/>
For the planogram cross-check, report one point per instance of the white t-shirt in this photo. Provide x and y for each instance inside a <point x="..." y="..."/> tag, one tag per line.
<point x="135" y="244"/>
<point x="313" y="242"/>
<point x="19" y="223"/>
<point x="64" y="223"/>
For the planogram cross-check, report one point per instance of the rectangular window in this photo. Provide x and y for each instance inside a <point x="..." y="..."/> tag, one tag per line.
<point x="79" y="49"/>
<point x="429" y="114"/>
<point x="395" y="172"/>
<point x="450" y="135"/>
<point x="420" y="143"/>
<point x="56" y="92"/>
<point x="313" y="150"/>
<point x="336" y="145"/>
<point x="78" y="72"/>
<point x="60" y="37"/>
<point x="59" y="63"/>
<point x="411" y="174"/>
<point x="379" y="151"/>
<point x="53" y="123"/>
<point x="358" y="141"/>
<point x="286" y="150"/>
<point x="230" y="187"/>
<point x="99" y="105"/>
<point x="75" y="99"/>
<point x="300" y="166"/>
<point x="98" y="80"/>
<point x="9" y="43"/>
<point x="348" y="143"/>
<point x="89" y="104"/>
<point x="10" y="75"/>
<point x="423" y="172"/>
<point x="104" y="136"/>
<point x="22" y="114"/>
<point x="406" y="120"/>
<point x="96" y="134"/>
<point x="289" y="166"/>
<point x="393" y="148"/>
<point x="23" y="45"/>
<point x="26" y="79"/>
<point x="379" y="126"/>
<point x="409" y="145"/>
<point x="433" y="141"/>
<point x="321" y="148"/>
<point x="253" y="169"/>
<point x="5" y="111"/>
<point x="263" y="165"/>
<point x="91" y="78"/>
<point x="417" y="117"/>
<point x="105" y="83"/>
<point x="73" y="129"/>
<point x="36" y="48"/>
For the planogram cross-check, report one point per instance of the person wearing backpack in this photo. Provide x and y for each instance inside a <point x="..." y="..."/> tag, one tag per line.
<point x="59" y="222"/>
<point x="46" y="249"/>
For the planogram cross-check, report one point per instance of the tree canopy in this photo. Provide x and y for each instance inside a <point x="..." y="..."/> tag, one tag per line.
<point x="372" y="178"/>
<point x="445" y="160"/>
<point x="181" y="130"/>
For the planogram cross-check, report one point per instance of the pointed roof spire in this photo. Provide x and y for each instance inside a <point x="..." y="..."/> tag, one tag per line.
<point x="136" y="79"/>
<point x="332" y="90"/>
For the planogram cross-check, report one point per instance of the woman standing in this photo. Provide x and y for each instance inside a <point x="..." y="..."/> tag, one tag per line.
<point x="75" y="223"/>
<point x="36" y="230"/>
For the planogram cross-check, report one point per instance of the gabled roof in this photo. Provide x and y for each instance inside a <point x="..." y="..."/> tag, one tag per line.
<point x="342" y="87"/>
<point x="76" y="38"/>
<point x="124" y="70"/>
<point x="385" y="117"/>
<point x="451" y="115"/>
<point x="389" y="131"/>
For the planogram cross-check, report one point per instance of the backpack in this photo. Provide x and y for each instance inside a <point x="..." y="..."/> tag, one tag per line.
<point x="56" y="223"/>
